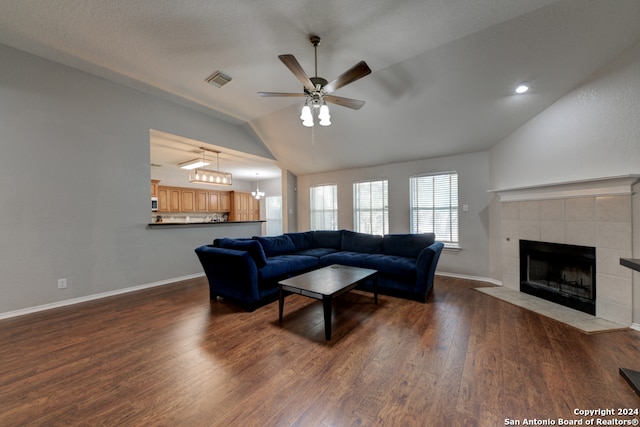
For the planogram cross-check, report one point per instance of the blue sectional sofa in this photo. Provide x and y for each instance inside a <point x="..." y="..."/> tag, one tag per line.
<point x="247" y="271"/>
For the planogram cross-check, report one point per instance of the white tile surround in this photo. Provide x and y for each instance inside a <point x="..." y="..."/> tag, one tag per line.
<point x="567" y="213"/>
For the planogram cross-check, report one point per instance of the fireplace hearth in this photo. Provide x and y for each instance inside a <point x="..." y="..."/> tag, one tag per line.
<point x="564" y="274"/>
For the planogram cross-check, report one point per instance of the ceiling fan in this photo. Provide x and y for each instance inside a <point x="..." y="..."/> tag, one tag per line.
<point x="317" y="90"/>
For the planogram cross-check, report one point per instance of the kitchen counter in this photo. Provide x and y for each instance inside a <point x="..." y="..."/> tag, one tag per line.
<point x="199" y="224"/>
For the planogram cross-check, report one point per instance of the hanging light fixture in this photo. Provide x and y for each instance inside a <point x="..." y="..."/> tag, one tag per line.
<point x="257" y="194"/>
<point x="200" y="175"/>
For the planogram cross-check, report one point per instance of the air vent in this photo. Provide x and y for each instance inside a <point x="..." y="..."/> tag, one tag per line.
<point x="218" y="79"/>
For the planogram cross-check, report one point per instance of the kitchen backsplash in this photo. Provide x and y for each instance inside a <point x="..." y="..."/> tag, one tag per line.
<point x="185" y="218"/>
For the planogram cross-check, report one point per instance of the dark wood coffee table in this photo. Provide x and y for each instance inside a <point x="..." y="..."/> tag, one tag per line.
<point x="325" y="284"/>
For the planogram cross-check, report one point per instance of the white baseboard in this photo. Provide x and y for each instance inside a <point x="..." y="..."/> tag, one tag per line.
<point x="79" y="300"/>
<point x="635" y="326"/>
<point x="464" y="276"/>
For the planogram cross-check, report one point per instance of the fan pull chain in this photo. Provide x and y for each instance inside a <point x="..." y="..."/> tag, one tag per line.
<point x="313" y="145"/>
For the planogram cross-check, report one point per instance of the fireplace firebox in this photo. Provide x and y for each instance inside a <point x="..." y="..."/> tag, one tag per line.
<point x="564" y="274"/>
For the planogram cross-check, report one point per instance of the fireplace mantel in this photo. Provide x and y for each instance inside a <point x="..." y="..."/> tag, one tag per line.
<point x="610" y="186"/>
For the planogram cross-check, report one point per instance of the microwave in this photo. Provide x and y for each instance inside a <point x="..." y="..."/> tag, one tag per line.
<point x="154" y="204"/>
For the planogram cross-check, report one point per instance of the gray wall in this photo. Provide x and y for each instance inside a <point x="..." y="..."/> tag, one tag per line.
<point x="592" y="132"/>
<point x="74" y="184"/>
<point x="473" y="182"/>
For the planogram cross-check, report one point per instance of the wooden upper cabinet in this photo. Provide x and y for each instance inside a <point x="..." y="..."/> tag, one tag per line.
<point x="154" y="187"/>
<point x="202" y="201"/>
<point x="187" y="200"/>
<point x="163" y="199"/>
<point x="174" y="199"/>
<point x="184" y="199"/>
<point x="214" y="201"/>
<point x="224" y="200"/>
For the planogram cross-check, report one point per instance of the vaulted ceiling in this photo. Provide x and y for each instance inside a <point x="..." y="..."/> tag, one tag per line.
<point x="443" y="72"/>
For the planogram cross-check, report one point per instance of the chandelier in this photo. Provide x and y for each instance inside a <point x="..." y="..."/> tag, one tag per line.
<point x="199" y="175"/>
<point x="257" y="194"/>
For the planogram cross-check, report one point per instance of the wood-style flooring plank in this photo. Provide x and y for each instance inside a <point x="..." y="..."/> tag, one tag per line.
<point x="168" y="356"/>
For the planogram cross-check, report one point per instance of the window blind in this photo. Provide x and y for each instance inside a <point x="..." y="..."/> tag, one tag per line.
<point x="434" y="205"/>
<point x="324" y="207"/>
<point x="371" y="207"/>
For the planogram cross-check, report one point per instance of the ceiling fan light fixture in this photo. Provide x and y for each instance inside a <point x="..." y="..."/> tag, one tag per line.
<point x="324" y="116"/>
<point x="306" y="113"/>
<point x="306" y="116"/>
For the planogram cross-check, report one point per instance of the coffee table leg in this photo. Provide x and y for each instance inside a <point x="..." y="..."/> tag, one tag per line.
<point x="281" y="303"/>
<point x="375" y="288"/>
<point x="326" y="304"/>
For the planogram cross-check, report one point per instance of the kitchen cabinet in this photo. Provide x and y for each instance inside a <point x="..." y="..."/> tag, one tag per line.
<point x="184" y="199"/>
<point x="163" y="199"/>
<point x="244" y="207"/>
<point x="201" y="199"/>
<point x="187" y="200"/>
<point x="224" y="199"/>
<point x="169" y="199"/>
<point x="174" y="199"/>
<point x="154" y="187"/>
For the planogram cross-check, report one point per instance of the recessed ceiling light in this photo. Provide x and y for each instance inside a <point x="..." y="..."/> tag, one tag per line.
<point x="522" y="89"/>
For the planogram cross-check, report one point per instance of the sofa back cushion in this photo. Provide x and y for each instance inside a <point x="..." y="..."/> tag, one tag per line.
<point x="361" y="242"/>
<point x="328" y="239"/>
<point x="302" y="241"/>
<point x="276" y="245"/>
<point x="251" y="246"/>
<point x="407" y="245"/>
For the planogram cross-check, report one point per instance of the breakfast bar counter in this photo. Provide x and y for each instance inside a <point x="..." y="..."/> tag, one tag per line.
<point x="199" y="224"/>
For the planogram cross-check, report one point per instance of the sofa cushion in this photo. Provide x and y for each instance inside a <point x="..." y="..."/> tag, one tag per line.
<point x="276" y="245"/>
<point x="282" y="266"/>
<point x="353" y="259"/>
<point x="302" y="241"/>
<point x="251" y="246"/>
<point x="327" y="239"/>
<point x="407" y="245"/>
<point x="317" y="252"/>
<point x="361" y="242"/>
<point x="398" y="266"/>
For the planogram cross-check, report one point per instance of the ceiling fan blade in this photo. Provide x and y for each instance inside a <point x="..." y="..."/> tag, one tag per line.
<point x="345" y="102"/>
<point x="294" y="66"/>
<point x="354" y="73"/>
<point x="280" y="94"/>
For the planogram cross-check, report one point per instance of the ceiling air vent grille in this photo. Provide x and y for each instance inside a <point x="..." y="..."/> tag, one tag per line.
<point x="218" y="79"/>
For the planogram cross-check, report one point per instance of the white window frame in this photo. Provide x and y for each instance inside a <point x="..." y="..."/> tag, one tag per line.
<point x="323" y="208"/>
<point x="438" y="212"/>
<point x="366" y="213"/>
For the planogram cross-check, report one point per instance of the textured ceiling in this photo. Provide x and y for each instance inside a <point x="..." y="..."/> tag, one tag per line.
<point x="443" y="70"/>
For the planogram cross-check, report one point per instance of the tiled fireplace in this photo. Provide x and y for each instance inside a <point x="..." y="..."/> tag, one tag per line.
<point x="594" y="214"/>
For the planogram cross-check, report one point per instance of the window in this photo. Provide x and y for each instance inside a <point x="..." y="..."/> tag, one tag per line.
<point x="371" y="207"/>
<point x="274" y="215"/>
<point x="434" y="206"/>
<point x="324" y="207"/>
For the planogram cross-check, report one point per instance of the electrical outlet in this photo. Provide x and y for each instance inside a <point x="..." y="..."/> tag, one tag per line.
<point x="62" y="283"/>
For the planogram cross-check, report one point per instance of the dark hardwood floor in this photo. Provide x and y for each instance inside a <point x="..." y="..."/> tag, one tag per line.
<point x="168" y="356"/>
